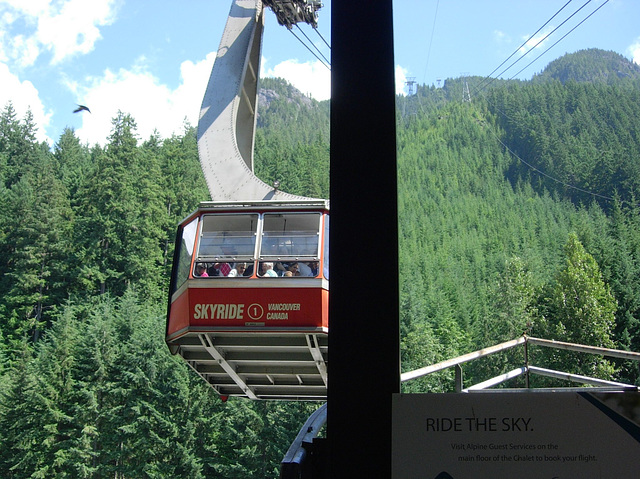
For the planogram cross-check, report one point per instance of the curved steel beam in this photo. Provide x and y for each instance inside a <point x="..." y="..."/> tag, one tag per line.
<point x="226" y="128"/>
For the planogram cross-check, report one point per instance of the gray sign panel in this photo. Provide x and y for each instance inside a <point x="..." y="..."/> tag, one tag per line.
<point x="524" y="435"/>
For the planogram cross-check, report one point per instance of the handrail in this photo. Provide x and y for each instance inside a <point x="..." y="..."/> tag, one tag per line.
<point x="527" y="369"/>
<point x="616" y="353"/>
<point x="498" y="379"/>
<point x="575" y="377"/>
<point x="461" y="359"/>
<point x="291" y="465"/>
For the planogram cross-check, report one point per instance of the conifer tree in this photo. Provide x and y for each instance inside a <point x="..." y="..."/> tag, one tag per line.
<point x="37" y="265"/>
<point x="512" y="313"/>
<point x="142" y="422"/>
<point x="17" y="144"/>
<point x="579" y="308"/>
<point x="120" y="217"/>
<point x="72" y="161"/>
<point x="65" y="450"/>
<point x="94" y="357"/>
<point x="21" y="433"/>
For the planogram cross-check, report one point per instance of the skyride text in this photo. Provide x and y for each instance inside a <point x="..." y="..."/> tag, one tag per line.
<point x="218" y="311"/>
<point x="237" y="311"/>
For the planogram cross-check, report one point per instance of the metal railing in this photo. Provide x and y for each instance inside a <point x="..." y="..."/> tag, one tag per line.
<point x="307" y="456"/>
<point x="527" y="369"/>
<point x="297" y="463"/>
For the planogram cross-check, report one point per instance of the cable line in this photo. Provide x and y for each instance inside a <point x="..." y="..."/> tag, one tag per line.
<point x="481" y="87"/>
<point x="537" y="170"/>
<point x="585" y="19"/>
<point x="518" y="49"/>
<point x="544" y="38"/>
<point x="314" y="45"/>
<point x="433" y="28"/>
<point x="312" y="52"/>
<point x="327" y="64"/>
<point x="568" y="185"/>
<point x="320" y="35"/>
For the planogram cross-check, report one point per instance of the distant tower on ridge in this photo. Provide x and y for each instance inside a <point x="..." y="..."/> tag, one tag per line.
<point x="410" y="84"/>
<point x="466" y="95"/>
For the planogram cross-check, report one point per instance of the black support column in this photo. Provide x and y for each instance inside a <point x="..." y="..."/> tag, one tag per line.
<point x="364" y="351"/>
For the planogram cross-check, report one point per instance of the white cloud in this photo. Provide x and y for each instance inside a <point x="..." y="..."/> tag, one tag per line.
<point x="23" y="96"/>
<point x="24" y="50"/>
<point x="536" y="41"/>
<point x="74" y="28"/>
<point x="401" y="79"/>
<point x="32" y="8"/>
<point x="153" y="105"/>
<point x="501" y="37"/>
<point x="634" y="51"/>
<point x="190" y="93"/>
<point x="311" y="78"/>
<point x="64" y="28"/>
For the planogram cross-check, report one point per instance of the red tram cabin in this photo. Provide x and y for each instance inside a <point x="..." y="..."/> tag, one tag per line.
<point x="249" y="293"/>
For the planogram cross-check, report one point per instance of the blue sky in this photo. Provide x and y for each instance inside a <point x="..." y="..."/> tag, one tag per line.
<point x="152" y="59"/>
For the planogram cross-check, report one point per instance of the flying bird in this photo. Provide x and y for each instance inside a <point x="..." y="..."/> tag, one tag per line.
<point x="81" y="108"/>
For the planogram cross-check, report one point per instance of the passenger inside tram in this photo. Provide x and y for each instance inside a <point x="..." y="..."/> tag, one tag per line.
<point x="201" y="270"/>
<point x="238" y="270"/>
<point x="292" y="268"/>
<point x="266" y="270"/>
<point x="305" y="270"/>
<point x="249" y="270"/>
<point x="230" y="243"/>
<point x="220" y="269"/>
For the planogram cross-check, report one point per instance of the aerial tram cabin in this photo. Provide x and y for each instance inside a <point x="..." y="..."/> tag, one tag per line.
<point x="248" y="306"/>
<point x="249" y="292"/>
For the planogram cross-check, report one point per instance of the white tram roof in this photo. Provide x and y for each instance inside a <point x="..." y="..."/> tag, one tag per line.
<point x="297" y="204"/>
<point x="262" y="205"/>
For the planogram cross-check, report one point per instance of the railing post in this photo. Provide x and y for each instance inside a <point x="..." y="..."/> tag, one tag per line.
<point x="526" y="361"/>
<point x="459" y="378"/>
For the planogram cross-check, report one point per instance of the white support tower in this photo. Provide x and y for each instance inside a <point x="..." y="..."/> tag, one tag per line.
<point x="466" y="95"/>
<point x="410" y="83"/>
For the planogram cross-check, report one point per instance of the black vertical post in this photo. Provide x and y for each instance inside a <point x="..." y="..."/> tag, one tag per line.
<point x="364" y="351"/>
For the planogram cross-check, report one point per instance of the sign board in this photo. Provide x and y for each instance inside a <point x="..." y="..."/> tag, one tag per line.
<point x="277" y="307"/>
<point x="512" y="434"/>
<point x="248" y="306"/>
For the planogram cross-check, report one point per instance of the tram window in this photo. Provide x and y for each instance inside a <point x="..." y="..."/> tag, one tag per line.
<point x="228" y="236"/>
<point x="185" y="251"/>
<point x="293" y="235"/>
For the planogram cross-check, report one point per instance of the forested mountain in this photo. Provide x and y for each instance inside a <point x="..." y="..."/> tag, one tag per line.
<point x="292" y="140"/>
<point x="592" y="66"/>
<point x="518" y="213"/>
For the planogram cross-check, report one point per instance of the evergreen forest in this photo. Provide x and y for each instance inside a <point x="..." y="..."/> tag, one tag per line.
<point x="518" y="214"/>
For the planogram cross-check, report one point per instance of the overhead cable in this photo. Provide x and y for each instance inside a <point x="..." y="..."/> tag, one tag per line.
<point x="320" y="35"/>
<point x="539" y="42"/>
<point x="308" y="48"/>
<point x="314" y="46"/>
<point x="552" y="178"/>
<point x="568" y="185"/>
<point x="585" y="19"/>
<point x="433" y="29"/>
<point x="488" y="77"/>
